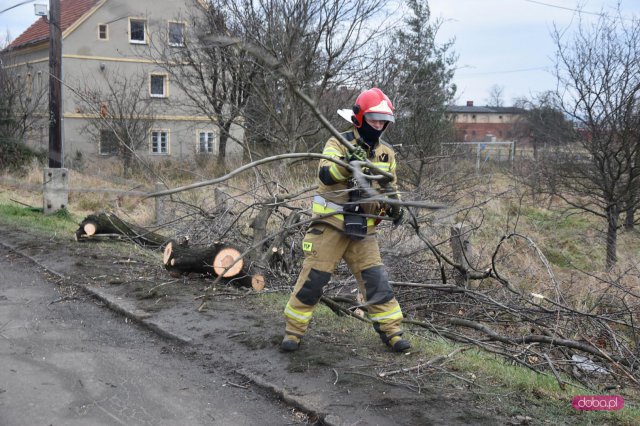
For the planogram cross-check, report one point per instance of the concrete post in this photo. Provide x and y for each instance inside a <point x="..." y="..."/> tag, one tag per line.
<point x="55" y="189"/>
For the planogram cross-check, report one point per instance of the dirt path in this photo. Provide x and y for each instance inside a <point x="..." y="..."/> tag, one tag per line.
<point x="327" y="379"/>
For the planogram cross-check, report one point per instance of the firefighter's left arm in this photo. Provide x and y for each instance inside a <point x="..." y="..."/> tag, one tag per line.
<point x="394" y="211"/>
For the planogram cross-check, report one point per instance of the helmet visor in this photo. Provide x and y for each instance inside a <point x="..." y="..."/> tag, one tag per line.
<point x="380" y="117"/>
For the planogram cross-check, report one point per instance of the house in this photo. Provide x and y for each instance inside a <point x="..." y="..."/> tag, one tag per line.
<point x="484" y="123"/>
<point x="106" y="43"/>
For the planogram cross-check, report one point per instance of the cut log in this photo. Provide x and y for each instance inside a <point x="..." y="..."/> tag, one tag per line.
<point x="227" y="262"/>
<point x="257" y="282"/>
<point x="108" y="223"/>
<point x="90" y="228"/>
<point x="220" y="259"/>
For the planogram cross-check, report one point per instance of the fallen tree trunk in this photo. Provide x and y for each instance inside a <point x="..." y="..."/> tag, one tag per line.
<point x="220" y="260"/>
<point x="109" y="224"/>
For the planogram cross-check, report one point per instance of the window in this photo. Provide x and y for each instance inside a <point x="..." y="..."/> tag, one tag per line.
<point x="138" y="31"/>
<point x="103" y="32"/>
<point x="176" y="34"/>
<point x="206" y="142"/>
<point x="159" y="142"/>
<point x="158" y="85"/>
<point x="108" y="143"/>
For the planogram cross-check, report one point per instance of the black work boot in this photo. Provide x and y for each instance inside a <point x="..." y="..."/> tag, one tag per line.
<point x="290" y="343"/>
<point x="398" y="344"/>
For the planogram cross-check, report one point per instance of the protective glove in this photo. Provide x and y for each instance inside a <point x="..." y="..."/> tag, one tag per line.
<point x="397" y="214"/>
<point x="358" y="154"/>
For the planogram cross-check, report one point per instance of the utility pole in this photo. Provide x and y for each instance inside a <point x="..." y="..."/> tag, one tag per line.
<point x="55" y="87"/>
<point x="56" y="178"/>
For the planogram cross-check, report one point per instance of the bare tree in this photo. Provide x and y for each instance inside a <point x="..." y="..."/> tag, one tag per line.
<point x="420" y="73"/>
<point x="544" y="126"/>
<point x="324" y="44"/>
<point x="22" y="109"/>
<point x="215" y="79"/>
<point x="122" y="114"/>
<point x="598" y="74"/>
<point x="496" y="96"/>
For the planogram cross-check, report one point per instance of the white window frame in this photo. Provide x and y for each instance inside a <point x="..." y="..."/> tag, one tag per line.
<point x="153" y="134"/>
<point x="106" y="32"/>
<point x="145" y="35"/>
<point x="183" y="25"/>
<point x="211" y="142"/>
<point x="165" y="85"/>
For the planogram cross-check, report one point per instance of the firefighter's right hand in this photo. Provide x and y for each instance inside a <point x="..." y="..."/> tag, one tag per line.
<point x="358" y="154"/>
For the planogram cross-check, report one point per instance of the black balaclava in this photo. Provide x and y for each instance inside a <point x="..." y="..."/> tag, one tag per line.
<point x="369" y="135"/>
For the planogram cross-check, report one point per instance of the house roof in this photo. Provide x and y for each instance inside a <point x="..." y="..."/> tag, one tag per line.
<point x="38" y="32"/>
<point x="464" y="109"/>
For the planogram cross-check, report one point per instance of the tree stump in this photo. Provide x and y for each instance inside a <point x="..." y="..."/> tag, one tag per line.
<point x="461" y="249"/>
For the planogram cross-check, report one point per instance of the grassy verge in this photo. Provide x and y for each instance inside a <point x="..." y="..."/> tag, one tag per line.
<point x="504" y="388"/>
<point x="61" y="223"/>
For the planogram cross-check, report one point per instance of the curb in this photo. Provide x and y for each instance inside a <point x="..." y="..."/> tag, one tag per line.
<point x="289" y="399"/>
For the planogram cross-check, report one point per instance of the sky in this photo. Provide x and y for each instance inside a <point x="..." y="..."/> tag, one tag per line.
<point x="508" y="42"/>
<point x="498" y="42"/>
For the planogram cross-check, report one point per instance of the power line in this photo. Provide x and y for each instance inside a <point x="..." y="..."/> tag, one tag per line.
<point x="564" y="8"/>
<point x="504" y="71"/>
<point x="601" y="14"/>
<point x="16" y="5"/>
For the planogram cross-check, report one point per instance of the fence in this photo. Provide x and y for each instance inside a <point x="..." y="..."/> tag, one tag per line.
<point x="482" y="152"/>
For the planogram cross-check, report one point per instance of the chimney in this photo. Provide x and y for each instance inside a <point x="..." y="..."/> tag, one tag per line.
<point x="469" y="103"/>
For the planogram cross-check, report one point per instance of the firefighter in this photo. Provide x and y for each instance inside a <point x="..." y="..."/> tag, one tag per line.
<point x="349" y="235"/>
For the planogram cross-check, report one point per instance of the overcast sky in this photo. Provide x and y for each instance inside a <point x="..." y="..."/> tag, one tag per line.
<point x="499" y="42"/>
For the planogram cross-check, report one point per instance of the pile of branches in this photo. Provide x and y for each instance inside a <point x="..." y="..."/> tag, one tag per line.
<point x="578" y="332"/>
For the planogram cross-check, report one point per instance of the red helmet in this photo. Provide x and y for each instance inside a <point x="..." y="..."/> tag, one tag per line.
<point x="372" y="104"/>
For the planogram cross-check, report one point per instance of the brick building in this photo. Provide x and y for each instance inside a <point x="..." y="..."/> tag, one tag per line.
<point x="484" y="123"/>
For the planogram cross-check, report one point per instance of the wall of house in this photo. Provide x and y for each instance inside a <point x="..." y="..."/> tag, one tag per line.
<point x="183" y="138"/>
<point x="479" y="132"/>
<point x="89" y="63"/>
<point x="493" y="118"/>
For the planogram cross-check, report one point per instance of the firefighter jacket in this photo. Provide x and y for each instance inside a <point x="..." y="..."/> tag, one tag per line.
<point x="336" y="181"/>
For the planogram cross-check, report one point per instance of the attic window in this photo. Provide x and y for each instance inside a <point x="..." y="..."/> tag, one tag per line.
<point x="176" y="34"/>
<point x="137" y="31"/>
<point x="103" y="32"/>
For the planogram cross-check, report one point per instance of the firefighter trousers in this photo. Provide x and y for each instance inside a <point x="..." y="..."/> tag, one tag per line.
<point x="324" y="246"/>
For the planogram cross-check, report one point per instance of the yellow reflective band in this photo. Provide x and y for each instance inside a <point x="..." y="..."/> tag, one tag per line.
<point x="307" y="246"/>
<point x="297" y="315"/>
<point x="393" y="166"/>
<point x="335" y="173"/>
<point x="330" y="152"/>
<point x="387" y="316"/>
<point x="382" y="166"/>
<point x="320" y="209"/>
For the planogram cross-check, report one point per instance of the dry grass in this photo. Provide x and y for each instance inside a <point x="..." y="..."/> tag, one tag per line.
<point x="495" y="207"/>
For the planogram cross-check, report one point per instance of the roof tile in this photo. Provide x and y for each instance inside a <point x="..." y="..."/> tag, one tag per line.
<point x="38" y="32"/>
